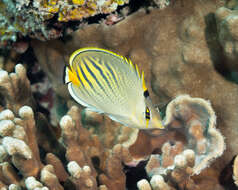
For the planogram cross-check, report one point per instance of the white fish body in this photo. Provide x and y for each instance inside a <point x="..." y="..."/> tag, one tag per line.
<point x="108" y="83"/>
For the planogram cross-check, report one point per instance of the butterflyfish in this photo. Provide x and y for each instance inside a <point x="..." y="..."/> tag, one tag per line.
<point x="108" y="83"/>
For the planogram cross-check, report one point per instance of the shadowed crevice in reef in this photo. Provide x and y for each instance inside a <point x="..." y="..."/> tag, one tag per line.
<point x="135" y="174"/>
<point x="226" y="178"/>
<point x="216" y="51"/>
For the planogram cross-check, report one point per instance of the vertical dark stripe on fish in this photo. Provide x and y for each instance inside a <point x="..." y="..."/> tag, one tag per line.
<point x="85" y="77"/>
<point x="95" y="91"/>
<point x="101" y="72"/>
<point x="95" y="78"/>
<point x="83" y="90"/>
<point x="112" y="73"/>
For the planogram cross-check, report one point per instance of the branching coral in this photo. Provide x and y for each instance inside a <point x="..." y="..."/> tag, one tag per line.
<point x="191" y="124"/>
<point x="12" y="84"/>
<point x="83" y="147"/>
<point x="19" y="148"/>
<point x="184" y="157"/>
<point x="19" y="142"/>
<point x="179" y="176"/>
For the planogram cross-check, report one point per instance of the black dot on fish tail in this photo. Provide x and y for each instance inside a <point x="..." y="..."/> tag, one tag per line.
<point x="146" y="93"/>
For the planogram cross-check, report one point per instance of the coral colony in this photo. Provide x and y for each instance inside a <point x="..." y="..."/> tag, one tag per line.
<point x="20" y="145"/>
<point x="32" y="17"/>
<point x="50" y="142"/>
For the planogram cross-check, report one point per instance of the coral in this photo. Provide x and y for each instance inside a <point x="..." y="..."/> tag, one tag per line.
<point x="83" y="147"/>
<point x="235" y="170"/>
<point x="15" y="90"/>
<point x="32" y="184"/>
<point x="49" y="178"/>
<point x="23" y="18"/>
<point x="20" y="141"/>
<point x="178" y="175"/>
<point x="96" y="158"/>
<point x="79" y="147"/>
<point x="19" y="147"/>
<point x="114" y="177"/>
<point x="227" y="32"/>
<point x="197" y="118"/>
<point x="184" y="157"/>
<point x="180" y="55"/>
<point x="81" y="177"/>
<point x="143" y="185"/>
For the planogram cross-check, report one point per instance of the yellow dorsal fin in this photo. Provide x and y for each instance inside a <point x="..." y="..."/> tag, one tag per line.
<point x="143" y="81"/>
<point x="131" y="64"/>
<point x="137" y="70"/>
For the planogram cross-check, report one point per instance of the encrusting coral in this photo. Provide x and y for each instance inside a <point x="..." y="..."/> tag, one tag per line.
<point x="198" y="119"/>
<point x="184" y="157"/>
<point x="22" y="18"/>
